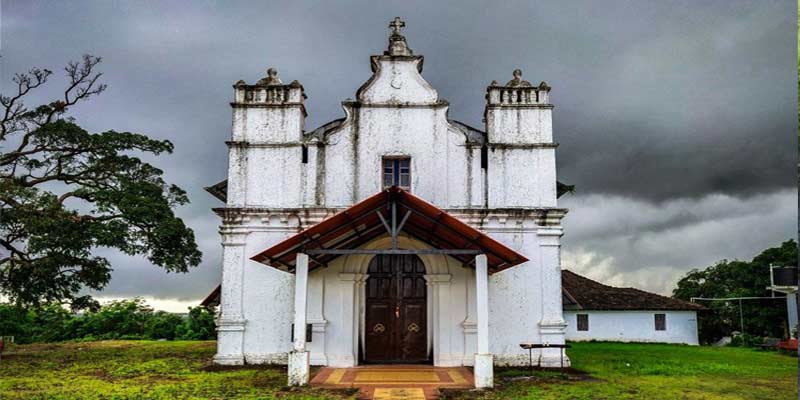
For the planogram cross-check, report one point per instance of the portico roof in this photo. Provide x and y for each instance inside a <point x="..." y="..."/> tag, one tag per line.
<point x="392" y="209"/>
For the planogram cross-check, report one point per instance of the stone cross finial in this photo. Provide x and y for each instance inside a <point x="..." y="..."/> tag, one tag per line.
<point x="397" y="42"/>
<point x="396" y="24"/>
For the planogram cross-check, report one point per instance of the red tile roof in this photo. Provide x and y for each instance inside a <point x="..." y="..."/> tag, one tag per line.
<point x="358" y="225"/>
<point x="582" y="293"/>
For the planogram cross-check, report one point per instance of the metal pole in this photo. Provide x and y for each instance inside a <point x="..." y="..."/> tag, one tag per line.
<point x="741" y="318"/>
<point x="394" y="224"/>
<point x="530" y="360"/>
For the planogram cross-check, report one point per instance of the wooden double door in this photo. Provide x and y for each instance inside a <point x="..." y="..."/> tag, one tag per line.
<point x="396" y="310"/>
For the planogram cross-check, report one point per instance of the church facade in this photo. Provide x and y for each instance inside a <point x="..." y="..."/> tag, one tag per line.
<point x="394" y="234"/>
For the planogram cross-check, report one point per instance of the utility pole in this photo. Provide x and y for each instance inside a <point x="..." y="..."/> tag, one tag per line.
<point x="741" y="318"/>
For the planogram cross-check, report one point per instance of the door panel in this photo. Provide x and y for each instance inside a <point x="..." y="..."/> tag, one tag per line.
<point x="396" y="310"/>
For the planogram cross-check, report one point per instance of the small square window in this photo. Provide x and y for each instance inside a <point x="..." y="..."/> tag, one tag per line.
<point x="661" y="322"/>
<point x="583" y="322"/>
<point x="397" y="172"/>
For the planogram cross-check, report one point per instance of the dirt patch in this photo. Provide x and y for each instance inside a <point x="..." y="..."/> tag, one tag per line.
<point x="103" y="375"/>
<point x="344" y="393"/>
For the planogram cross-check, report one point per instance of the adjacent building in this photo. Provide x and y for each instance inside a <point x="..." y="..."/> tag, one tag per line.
<point x="594" y="311"/>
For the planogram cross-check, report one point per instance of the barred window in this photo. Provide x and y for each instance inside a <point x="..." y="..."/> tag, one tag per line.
<point x="583" y="322"/>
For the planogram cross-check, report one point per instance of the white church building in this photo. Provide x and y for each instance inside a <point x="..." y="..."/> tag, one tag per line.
<point x="394" y="234"/>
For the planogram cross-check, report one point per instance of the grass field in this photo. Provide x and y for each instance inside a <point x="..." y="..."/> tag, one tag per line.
<point x="180" y="370"/>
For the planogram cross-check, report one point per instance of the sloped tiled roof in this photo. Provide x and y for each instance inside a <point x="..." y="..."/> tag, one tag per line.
<point x="582" y="293"/>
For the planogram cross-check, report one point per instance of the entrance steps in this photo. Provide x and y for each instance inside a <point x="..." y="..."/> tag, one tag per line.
<point x="395" y="382"/>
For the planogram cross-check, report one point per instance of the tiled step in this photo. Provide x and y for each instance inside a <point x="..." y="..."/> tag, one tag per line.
<point x="393" y="382"/>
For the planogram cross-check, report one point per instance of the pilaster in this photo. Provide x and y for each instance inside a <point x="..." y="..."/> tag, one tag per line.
<point x="352" y="293"/>
<point x="552" y="326"/>
<point x="231" y="322"/>
<point x="439" y="285"/>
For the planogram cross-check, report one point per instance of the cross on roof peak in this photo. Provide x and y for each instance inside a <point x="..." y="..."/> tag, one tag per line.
<point x="396" y="24"/>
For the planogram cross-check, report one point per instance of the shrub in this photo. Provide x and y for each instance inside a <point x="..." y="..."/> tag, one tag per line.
<point x="125" y="319"/>
<point x="745" y="340"/>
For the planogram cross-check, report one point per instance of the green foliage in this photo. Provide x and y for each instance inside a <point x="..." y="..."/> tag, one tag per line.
<point x="126" y="319"/>
<point x="199" y="325"/>
<point x="162" y="325"/>
<point x="65" y="191"/>
<point x="745" y="340"/>
<point x="739" y="279"/>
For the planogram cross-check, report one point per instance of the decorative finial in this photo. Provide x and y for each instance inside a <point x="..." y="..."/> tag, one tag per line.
<point x="397" y="42"/>
<point x="396" y="24"/>
<point x="517" y="81"/>
<point x="271" y="79"/>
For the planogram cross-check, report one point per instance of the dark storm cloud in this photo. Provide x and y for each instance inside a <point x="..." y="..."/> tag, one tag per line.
<point x="656" y="102"/>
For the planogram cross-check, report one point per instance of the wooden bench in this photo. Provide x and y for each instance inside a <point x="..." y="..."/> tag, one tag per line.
<point x="769" y="344"/>
<point x="531" y="346"/>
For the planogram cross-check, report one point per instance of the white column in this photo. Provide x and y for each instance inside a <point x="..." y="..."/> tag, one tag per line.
<point x="484" y="363"/>
<point x="299" y="359"/>
<point x="791" y="308"/>
<point x="552" y="326"/>
<point x="231" y="322"/>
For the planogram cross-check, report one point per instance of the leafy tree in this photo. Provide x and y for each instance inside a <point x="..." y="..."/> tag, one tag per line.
<point x="46" y="323"/>
<point x="162" y="325"/>
<point x="65" y="191"/>
<point x="199" y="325"/>
<point x="119" y="319"/>
<point x="14" y="321"/>
<point x="739" y="279"/>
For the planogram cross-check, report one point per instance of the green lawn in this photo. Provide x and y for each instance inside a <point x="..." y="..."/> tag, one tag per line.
<point x="180" y="370"/>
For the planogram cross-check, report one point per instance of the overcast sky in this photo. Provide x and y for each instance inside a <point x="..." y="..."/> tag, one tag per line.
<point x="676" y="119"/>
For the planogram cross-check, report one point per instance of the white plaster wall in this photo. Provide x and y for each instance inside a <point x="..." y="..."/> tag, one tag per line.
<point x="522" y="177"/>
<point x="520" y="125"/>
<point x="268" y="304"/>
<point x="397" y="81"/>
<point x="268" y="125"/>
<point x="275" y="179"/>
<point x="515" y="306"/>
<point x="442" y="167"/>
<point x="634" y="326"/>
<point x="440" y="163"/>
